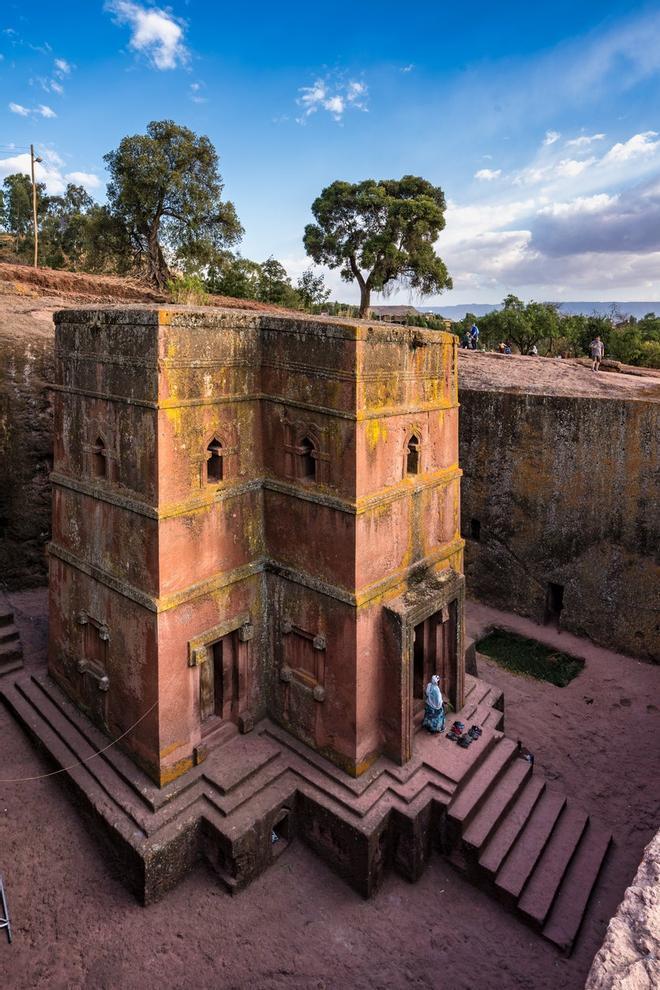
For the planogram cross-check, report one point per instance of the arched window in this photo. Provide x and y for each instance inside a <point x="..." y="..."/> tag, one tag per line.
<point x="307" y="459"/>
<point x="214" y="462"/>
<point x="99" y="459"/>
<point x="412" y="455"/>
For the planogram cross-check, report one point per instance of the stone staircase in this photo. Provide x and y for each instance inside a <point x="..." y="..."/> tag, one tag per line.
<point x="11" y="651"/>
<point x="529" y="845"/>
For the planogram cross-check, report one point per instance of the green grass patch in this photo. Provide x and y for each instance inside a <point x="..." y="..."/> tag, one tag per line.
<point x="525" y="656"/>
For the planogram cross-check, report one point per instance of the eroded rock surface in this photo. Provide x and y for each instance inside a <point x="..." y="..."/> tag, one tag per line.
<point x="557" y="497"/>
<point x="629" y="958"/>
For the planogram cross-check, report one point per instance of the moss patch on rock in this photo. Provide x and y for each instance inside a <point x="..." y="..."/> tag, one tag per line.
<point x="521" y="655"/>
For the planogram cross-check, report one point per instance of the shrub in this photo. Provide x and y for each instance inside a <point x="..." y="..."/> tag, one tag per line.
<point x="189" y="290"/>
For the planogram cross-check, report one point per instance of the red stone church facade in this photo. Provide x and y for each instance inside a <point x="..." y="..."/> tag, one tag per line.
<point x="254" y="516"/>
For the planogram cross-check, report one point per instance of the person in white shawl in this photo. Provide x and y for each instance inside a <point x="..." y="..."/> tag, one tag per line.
<point x="434" y="711"/>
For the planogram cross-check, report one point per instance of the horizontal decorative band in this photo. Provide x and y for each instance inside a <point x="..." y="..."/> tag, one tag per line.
<point x="358" y="598"/>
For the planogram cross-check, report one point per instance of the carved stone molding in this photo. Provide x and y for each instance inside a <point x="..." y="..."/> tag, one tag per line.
<point x="198" y="647"/>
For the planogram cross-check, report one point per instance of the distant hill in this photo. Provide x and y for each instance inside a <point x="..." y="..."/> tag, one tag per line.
<point x="637" y="309"/>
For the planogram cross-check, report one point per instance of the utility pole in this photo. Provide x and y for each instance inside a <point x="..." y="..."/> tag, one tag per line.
<point x="34" y="159"/>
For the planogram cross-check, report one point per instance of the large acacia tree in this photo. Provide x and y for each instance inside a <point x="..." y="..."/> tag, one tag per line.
<point x="378" y="233"/>
<point x="165" y="188"/>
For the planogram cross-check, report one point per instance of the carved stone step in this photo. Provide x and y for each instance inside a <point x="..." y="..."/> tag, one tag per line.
<point x="529" y="845"/>
<point x="542" y="886"/>
<point x="568" y="910"/>
<point x="510" y="827"/>
<point x="472" y="795"/>
<point x="496" y="806"/>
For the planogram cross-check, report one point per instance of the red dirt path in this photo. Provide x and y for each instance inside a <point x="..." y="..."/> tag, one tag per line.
<point x="299" y="926"/>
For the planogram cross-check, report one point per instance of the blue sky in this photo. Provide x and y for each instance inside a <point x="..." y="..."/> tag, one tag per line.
<point x="541" y="124"/>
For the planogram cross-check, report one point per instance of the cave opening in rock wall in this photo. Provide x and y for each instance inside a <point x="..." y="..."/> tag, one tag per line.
<point x="554" y="603"/>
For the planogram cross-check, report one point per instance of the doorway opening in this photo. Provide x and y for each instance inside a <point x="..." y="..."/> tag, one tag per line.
<point x="435" y="652"/>
<point x="219" y="683"/>
<point x="280" y="835"/>
<point x="307" y="459"/>
<point x="475" y="530"/>
<point x="554" y="603"/>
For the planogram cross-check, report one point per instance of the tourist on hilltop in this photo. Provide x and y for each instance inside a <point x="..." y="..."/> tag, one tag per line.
<point x="434" y="709"/>
<point x="474" y="336"/>
<point x="465" y="341"/>
<point x="534" y="351"/>
<point x="507" y="348"/>
<point x="597" y="351"/>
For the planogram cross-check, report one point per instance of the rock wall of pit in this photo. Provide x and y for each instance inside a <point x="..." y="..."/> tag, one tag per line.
<point x="26" y="368"/>
<point x="629" y="958"/>
<point x="563" y="490"/>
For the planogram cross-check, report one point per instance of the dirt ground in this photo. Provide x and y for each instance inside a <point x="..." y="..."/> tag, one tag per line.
<point x="299" y="926"/>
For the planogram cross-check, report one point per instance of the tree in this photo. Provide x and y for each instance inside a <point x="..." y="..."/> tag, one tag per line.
<point x="311" y="289"/>
<point x="524" y="325"/>
<point x="107" y="243"/>
<point x="275" y="285"/>
<point x="17" y="209"/>
<point x="234" y="276"/>
<point x="378" y="233"/>
<point x="166" y="190"/>
<point x="63" y="229"/>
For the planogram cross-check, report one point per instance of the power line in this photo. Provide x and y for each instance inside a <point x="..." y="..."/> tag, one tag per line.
<point x="79" y="763"/>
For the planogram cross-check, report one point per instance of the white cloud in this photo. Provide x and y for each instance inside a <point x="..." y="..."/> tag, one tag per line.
<point x="584" y="140"/>
<point x="488" y="174"/>
<point x="52" y="156"/>
<point x="407" y="68"/>
<point x="639" y="145"/>
<point x="583" y="228"/>
<point x="44" y="171"/>
<point x="155" y="33"/>
<point x="333" y="95"/>
<point x="551" y="137"/>
<point x="86" y="179"/>
<point x="356" y="91"/>
<point x="48" y="171"/>
<point x="582" y="204"/>
<point x="62" y="67"/>
<point x="41" y="111"/>
<point x="335" y="106"/>
<point x="56" y="87"/>
<point x="569" y="167"/>
<point x="196" y="94"/>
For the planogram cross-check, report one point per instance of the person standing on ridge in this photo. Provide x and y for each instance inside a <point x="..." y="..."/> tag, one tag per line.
<point x="474" y="336"/>
<point x="597" y="350"/>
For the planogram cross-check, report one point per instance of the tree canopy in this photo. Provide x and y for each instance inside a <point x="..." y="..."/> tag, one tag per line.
<point x="523" y="324"/>
<point x="378" y="233"/>
<point x="166" y="190"/>
<point x="17" y="210"/>
<point x="61" y="221"/>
